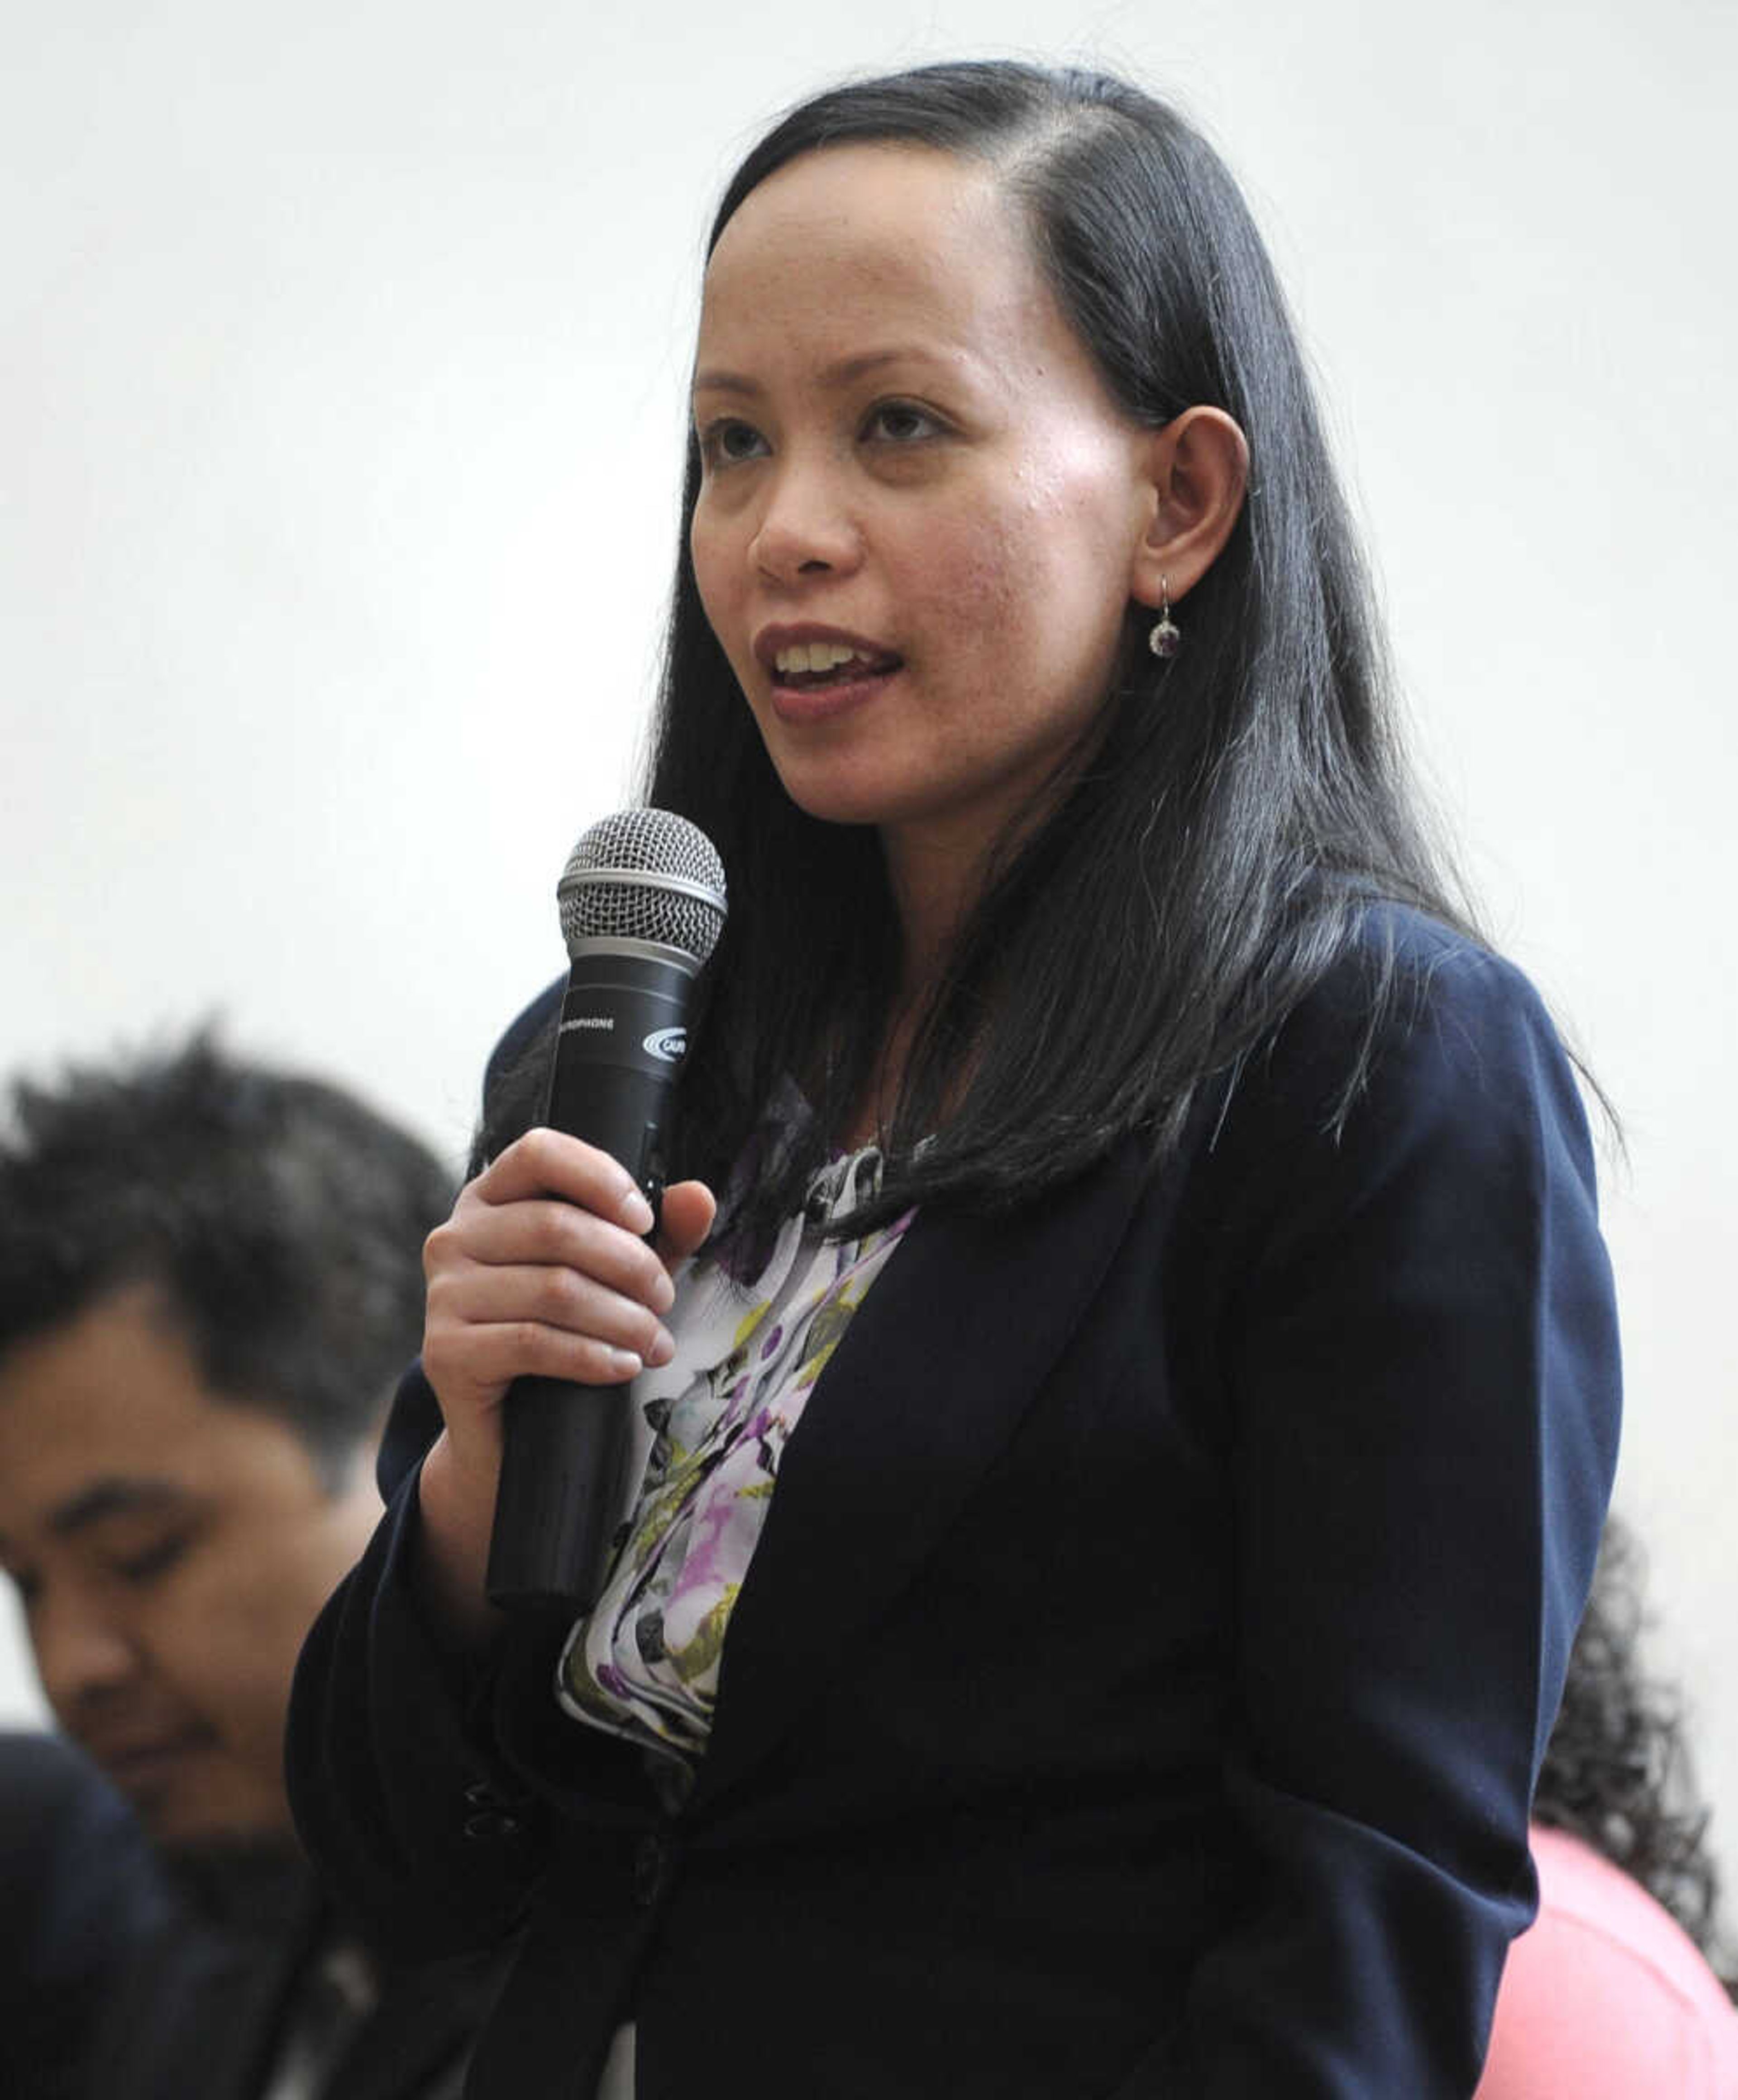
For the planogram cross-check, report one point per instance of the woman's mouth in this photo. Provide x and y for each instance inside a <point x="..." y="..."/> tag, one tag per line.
<point x="817" y="673"/>
<point x="802" y="697"/>
<point x="814" y="667"/>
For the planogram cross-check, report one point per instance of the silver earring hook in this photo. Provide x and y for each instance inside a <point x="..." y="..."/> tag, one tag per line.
<point x="1165" y="637"/>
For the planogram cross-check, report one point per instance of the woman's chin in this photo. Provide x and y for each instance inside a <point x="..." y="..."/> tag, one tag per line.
<point x="830" y="799"/>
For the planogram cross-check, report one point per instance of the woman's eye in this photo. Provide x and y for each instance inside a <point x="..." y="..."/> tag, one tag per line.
<point x="728" y="442"/>
<point x="151" y="1561"/>
<point x="898" y="423"/>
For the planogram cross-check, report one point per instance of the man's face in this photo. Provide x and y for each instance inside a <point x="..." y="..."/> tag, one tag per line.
<point x="170" y="1548"/>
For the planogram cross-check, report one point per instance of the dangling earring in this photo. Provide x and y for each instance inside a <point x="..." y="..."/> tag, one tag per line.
<point x="1166" y="637"/>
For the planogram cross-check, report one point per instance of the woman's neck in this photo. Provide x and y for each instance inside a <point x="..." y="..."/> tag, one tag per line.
<point x="934" y="882"/>
<point x="937" y="872"/>
<point x="932" y="890"/>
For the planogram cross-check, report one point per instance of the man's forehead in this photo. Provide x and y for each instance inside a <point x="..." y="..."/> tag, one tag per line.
<point x="128" y="1346"/>
<point x="109" y="1414"/>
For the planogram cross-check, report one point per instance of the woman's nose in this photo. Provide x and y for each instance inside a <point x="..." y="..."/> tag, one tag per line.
<point x="806" y="528"/>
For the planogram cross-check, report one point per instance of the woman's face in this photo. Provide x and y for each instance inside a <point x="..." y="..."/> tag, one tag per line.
<point x="920" y="508"/>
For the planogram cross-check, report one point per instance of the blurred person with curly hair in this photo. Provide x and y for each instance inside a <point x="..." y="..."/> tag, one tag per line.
<point x="1612" y="1993"/>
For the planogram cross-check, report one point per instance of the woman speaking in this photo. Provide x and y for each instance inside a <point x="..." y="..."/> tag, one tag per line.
<point x="1116" y="1469"/>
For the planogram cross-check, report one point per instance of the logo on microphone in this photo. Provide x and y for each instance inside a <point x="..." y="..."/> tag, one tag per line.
<point x="667" y="1043"/>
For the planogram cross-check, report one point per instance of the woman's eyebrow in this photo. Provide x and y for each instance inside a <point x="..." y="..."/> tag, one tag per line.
<point x="844" y="372"/>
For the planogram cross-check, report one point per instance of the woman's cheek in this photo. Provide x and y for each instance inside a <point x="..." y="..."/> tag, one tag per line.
<point x="977" y="588"/>
<point x="708" y="552"/>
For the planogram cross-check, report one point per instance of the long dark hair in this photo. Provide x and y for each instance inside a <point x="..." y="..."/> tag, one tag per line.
<point x="1616" y="1772"/>
<point x="1245" y="802"/>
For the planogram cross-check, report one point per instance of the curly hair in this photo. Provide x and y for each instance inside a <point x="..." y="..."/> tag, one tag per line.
<point x="282" y="1219"/>
<point x="1616" y="1773"/>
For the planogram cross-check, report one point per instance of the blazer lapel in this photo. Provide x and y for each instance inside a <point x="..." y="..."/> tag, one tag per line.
<point x="931" y="1380"/>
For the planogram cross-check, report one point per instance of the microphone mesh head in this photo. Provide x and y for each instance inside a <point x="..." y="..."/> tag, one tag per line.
<point x="644" y="875"/>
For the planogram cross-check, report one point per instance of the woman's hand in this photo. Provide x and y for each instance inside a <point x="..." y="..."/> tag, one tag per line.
<point x="540" y="1270"/>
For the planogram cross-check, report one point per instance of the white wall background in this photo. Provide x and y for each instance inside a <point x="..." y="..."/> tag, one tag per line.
<point x="340" y="375"/>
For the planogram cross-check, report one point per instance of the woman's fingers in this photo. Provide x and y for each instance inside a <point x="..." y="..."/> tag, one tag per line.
<point x="541" y="1272"/>
<point x="545" y="1232"/>
<point x="549" y="1162"/>
<point x="480" y="1365"/>
<point x="684" y="1217"/>
<point x="515" y="1309"/>
<point x="489" y="1323"/>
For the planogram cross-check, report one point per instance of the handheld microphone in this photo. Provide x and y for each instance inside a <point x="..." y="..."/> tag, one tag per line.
<point x="643" y="904"/>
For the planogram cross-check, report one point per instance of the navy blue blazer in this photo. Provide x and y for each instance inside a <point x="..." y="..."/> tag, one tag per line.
<point x="204" y="2011"/>
<point x="1138" y="1687"/>
<point x="114" y="1987"/>
<point x="83" y="1894"/>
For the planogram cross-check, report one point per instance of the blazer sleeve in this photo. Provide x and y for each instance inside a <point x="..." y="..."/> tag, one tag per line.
<point x="1420" y="1353"/>
<point x="398" y="1793"/>
<point x="413" y="1820"/>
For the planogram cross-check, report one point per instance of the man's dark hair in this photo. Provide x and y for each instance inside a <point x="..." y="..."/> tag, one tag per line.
<point x="282" y="1220"/>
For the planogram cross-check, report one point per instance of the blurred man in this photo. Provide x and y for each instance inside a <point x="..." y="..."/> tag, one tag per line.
<point x="83" y="1892"/>
<point x="209" y="1278"/>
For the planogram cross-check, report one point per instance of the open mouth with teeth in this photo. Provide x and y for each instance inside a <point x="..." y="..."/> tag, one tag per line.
<point x="807" y="666"/>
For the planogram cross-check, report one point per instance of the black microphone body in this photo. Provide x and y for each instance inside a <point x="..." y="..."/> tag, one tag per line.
<point x="623" y="1026"/>
<point x="621" y="1039"/>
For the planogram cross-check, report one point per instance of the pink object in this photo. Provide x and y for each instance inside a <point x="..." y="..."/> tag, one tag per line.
<point x="1605" y="1997"/>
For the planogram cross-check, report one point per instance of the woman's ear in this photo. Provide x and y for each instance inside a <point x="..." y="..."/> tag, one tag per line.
<point x="1199" y="465"/>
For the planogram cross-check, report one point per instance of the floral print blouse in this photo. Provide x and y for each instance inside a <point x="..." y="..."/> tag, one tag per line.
<point x="709" y="1428"/>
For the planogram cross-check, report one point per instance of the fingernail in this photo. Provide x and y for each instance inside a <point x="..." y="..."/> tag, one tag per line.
<point x="625" y="1361"/>
<point x="636" y="1213"/>
<point x="663" y="1348"/>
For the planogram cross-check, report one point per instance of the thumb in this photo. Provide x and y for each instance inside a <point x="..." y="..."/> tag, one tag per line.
<point x="684" y="1217"/>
